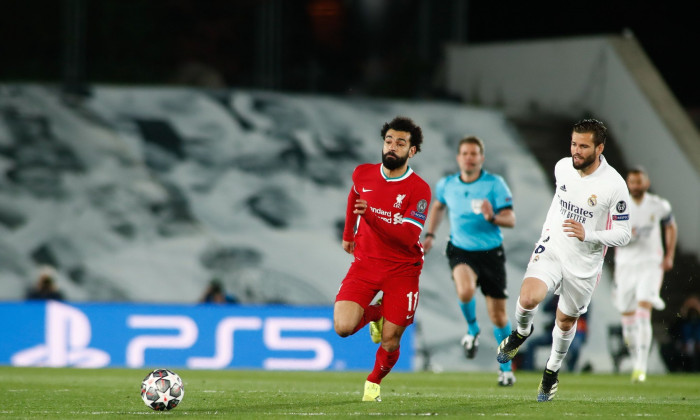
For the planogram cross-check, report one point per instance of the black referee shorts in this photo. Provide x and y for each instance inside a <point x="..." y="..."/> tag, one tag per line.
<point x="489" y="266"/>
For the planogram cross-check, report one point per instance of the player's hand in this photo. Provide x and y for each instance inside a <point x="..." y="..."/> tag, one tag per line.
<point x="667" y="263"/>
<point x="360" y="206"/>
<point x="487" y="209"/>
<point x="349" y="247"/>
<point x="428" y="243"/>
<point x="574" y="229"/>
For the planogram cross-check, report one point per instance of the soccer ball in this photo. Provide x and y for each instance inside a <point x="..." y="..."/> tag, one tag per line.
<point x="162" y="390"/>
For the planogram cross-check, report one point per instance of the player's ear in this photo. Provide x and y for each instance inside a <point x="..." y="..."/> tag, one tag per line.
<point x="411" y="151"/>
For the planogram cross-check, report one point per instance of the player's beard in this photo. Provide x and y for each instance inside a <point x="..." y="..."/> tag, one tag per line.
<point x="637" y="193"/>
<point x="586" y="162"/>
<point x="395" y="163"/>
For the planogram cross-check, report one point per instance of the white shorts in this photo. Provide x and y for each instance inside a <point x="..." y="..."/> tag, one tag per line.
<point x="638" y="282"/>
<point x="575" y="293"/>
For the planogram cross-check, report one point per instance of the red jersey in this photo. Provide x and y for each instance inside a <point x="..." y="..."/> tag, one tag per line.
<point x="396" y="211"/>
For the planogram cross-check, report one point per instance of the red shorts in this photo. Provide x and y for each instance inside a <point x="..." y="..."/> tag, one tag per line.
<point x="399" y="284"/>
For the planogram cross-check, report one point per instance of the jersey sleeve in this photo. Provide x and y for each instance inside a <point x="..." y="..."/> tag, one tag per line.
<point x="417" y="210"/>
<point x="620" y="231"/>
<point x="666" y="213"/>
<point x="350" y="217"/>
<point x="503" y="198"/>
<point x="413" y="219"/>
<point x="440" y="190"/>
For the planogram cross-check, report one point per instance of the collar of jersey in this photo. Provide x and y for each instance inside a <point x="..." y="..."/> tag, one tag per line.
<point x="406" y="174"/>
<point x="481" y="174"/>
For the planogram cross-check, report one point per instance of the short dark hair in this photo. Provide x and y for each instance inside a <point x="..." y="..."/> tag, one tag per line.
<point x="472" y="140"/>
<point x="407" y="125"/>
<point x="637" y="170"/>
<point x="590" y="125"/>
<point x="215" y="286"/>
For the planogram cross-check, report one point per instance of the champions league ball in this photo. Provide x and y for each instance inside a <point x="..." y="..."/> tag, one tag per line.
<point x="162" y="390"/>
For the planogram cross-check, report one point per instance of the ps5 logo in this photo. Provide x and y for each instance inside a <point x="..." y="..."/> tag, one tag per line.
<point x="67" y="336"/>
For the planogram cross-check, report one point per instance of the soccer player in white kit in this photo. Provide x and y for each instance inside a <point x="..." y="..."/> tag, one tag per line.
<point x="640" y="267"/>
<point x="589" y="213"/>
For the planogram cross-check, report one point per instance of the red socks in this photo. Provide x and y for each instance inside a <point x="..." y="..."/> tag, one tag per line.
<point x="382" y="365"/>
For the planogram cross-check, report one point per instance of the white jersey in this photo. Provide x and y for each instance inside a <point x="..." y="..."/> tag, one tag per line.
<point x="600" y="202"/>
<point x="646" y="219"/>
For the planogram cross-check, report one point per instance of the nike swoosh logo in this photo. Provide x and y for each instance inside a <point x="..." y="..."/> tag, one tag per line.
<point x="365" y="189"/>
<point x="409" y="316"/>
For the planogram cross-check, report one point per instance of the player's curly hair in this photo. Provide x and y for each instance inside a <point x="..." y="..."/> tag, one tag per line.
<point x="405" y="124"/>
<point x="590" y="125"/>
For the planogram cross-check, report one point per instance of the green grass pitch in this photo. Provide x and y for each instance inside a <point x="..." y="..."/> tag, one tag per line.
<point x="114" y="393"/>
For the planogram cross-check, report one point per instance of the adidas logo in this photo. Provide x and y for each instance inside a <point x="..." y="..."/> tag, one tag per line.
<point x="563" y="188"/>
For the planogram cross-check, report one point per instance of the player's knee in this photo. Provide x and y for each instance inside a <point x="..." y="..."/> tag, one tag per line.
<point x="566" y="324"/>
<point x="528" y="300"/>
<point x="465" y="295"/>
<point x="343" y="328"/>
<point x="532" y="292"/>
<point x="342" y="332"/>
<point x="391" y="345"/>
<point x="499" y="319"/>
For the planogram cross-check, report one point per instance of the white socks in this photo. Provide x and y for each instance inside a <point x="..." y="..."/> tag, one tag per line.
<point x="636" y="331"/>
<point x="561" y="340"/>
<point x="630" y="333"/>
<point x="523" y="318"/>
<point x="643" y="338"/>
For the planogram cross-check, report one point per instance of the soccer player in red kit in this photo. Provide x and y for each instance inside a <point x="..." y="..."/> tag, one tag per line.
<point x="387" y="207"/>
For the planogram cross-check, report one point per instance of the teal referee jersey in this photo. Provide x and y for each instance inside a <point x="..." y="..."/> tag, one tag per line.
<point x="468" y="228"/>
